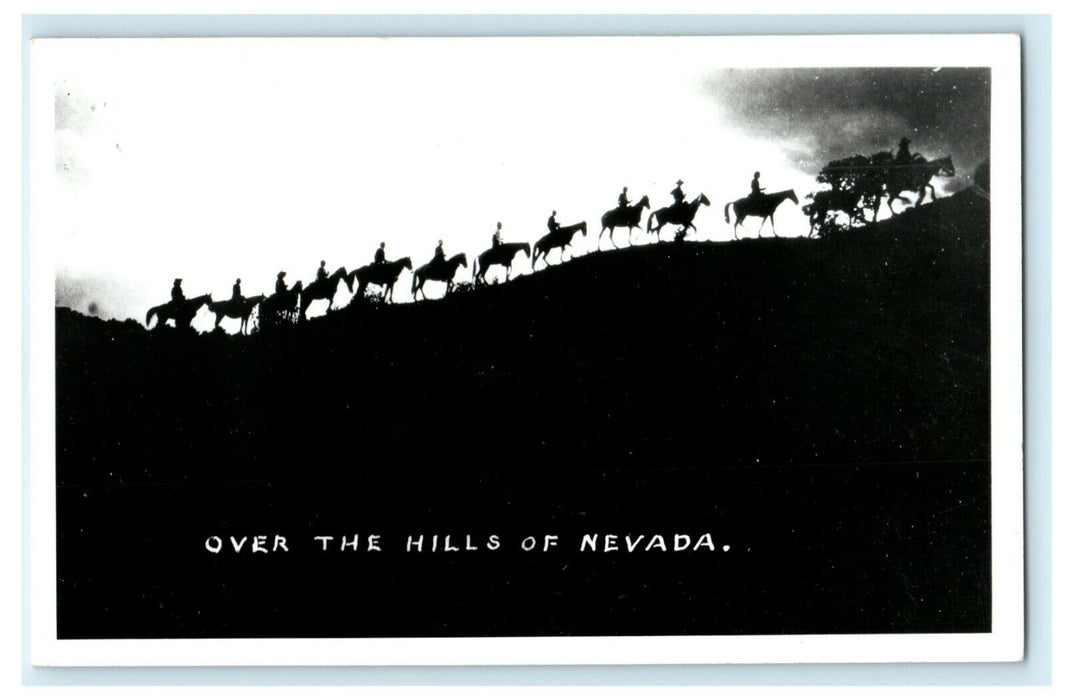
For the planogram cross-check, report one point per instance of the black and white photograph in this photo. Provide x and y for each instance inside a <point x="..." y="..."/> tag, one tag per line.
<point x="526" y="350"/>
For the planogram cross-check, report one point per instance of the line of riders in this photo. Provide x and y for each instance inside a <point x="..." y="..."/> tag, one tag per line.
<point x="291" y="303"/>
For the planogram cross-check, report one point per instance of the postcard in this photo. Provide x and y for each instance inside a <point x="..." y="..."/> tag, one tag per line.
<point x="525" y="350"/>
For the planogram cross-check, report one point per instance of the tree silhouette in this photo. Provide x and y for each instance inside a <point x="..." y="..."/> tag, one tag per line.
<point x="858" y="180"/>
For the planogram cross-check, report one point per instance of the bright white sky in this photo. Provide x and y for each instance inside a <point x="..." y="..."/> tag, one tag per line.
<point x="215" y="159"/>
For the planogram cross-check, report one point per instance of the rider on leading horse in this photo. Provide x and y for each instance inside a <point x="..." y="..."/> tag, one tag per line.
<point x="497" y="238"/>
<point x="280" y="287"/>
<point x="623" y="199"/>
<point x="237" y="296"/>
<point x="438" y="254"/>
<point x="322" y="275"/>
<point x="379" y="254"/>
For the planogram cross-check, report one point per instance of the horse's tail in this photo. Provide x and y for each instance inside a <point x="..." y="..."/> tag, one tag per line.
<point x="727" y="211"/>
<point x="474" y="266"/>
<point x="151" y="312"/>
<point x="651" y="217"/>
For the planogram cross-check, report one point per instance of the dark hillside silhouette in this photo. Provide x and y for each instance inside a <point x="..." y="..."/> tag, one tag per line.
<point x="825" y="402"/>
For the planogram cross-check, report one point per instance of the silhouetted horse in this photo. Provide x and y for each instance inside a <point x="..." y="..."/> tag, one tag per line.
<point x="622" y="216"/>
<point x="826" y="201"/>
<point x="182" y="313"/>
<point x="763" y="206"/>
<point x="383" y="274"/>
<point x="323" y="289"/>
<point x="280" y="305"/>
<point x="914" y="177"/>
<point x="235" y="308"/>
<point x="503" y="254"/>
<point x="559" y="238"/>
<point x="681" y="214"/>
<point x="439" y="272"/>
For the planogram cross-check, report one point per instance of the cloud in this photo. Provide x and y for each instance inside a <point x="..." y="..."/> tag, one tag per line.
<point x="823" y="114"/>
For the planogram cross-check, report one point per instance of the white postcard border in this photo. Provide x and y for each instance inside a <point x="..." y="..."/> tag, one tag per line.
<point x="1004" y="643"/>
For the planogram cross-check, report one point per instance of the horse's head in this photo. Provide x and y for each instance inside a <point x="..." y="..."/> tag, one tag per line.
<point x="461" y="259"/>
<point x="348" y="278"/>
<point x="946" y="166"/>
<point x="298" y="287"/>
<point x="703" y="200"/>
<point x="644" y="202"/>
<point x="405" y="262"/>
<point x="525" y="246"/>
<point x="792" y="196"/>
<point x="583" y="228"/>
<point x="257" y="299"/>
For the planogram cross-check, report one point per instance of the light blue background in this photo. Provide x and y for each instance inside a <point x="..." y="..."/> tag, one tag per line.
<point x="1036" y="75"/>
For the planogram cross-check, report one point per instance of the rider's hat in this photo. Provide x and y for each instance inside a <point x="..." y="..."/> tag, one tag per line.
<point x="904" y="140"/>
<point x="280" y="275"/>
<point x="177" y="281"/>
<point x="679" y="182"/>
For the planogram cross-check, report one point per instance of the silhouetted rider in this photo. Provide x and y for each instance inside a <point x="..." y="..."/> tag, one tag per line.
<point x="623" y="199"/>
<point x="497" y="238"/>
<point x="756" y="189"/>
<point x="176" y="294"/>
<point x="379" y="254"/>
<point x="322" y="275"/>
<point x="903" y="155"/>
<point x="438" y="254"/>
<point x="678" y="194"/>
<point x="553" y="226"/>
<point x="280" y="287"/>
<point x="237" y="291"/>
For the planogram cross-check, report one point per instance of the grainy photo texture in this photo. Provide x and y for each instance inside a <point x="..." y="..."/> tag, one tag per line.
<point x="359" y="339"/>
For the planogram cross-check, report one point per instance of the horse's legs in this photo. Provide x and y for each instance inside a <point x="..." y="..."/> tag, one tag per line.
<point x="772" y="227"/>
